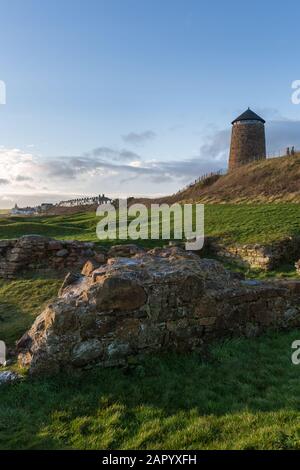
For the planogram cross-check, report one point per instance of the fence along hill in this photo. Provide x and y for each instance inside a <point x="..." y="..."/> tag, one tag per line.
<point x="264" y="181"/>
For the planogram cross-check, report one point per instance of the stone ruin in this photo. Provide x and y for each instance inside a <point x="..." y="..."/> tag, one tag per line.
<point x="39" y="253"/>
<point x="150" y="302"/>
<point x="263" y="257"/>
<point x="128" y="302"/>
<point x="35" y="252"/>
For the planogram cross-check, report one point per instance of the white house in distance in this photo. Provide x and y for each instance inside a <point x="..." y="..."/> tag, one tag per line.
<point x="30" y="210"/>
<point x="45" y="206"/>
<point x="22" y="210"/>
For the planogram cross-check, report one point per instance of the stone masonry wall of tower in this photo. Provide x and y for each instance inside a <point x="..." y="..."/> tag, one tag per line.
<point x="247" y="143"/>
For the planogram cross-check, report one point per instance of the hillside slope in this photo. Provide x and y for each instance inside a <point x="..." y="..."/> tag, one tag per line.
<point x="271" y="180"/>
<point x="267" y="181"/>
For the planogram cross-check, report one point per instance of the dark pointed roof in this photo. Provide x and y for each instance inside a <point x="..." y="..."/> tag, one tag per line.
<point x="249" y="115"/>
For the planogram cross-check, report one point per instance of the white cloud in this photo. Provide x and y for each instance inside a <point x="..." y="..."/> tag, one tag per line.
<point x="139" y="137"/>
<point x="33" y="177"/>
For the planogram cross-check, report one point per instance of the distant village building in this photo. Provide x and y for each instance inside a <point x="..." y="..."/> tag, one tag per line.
<point x="23" y="210"/>
<point x="248" y="142"/>
<point x="31" y="210"/>
<point x="84" y="201"/>
<point x="45" y="206"/>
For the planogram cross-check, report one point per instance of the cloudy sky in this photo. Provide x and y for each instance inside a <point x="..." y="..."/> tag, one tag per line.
<point x="130" y="97"/>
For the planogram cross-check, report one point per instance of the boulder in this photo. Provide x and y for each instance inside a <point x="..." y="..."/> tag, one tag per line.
<point x="163" y="300"/>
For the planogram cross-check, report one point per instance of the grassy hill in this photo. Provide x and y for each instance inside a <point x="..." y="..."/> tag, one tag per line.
<point x="242" y="223"/>
<point x="271" y="180"/>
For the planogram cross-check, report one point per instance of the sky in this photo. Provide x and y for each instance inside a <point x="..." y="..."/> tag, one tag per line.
<point x="136" y="97"/>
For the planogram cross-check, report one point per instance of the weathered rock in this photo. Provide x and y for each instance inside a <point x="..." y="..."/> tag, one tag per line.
<point x="258" y="256"/>
<point x="62" y="253"/>
<point x="100" y="258"/>
<point x="8" y="377"/>
<point x="70" y="279"/>
<point x="292" y="284"/>
<point x="86" y="351"/>
<point x="126" y="250"/>
<point x="55" y="245"/>
<point x="166" y="299"/>
<point x="89" y="267"/>
<point x="35" y="252"/>
<point x="119" y="294"/>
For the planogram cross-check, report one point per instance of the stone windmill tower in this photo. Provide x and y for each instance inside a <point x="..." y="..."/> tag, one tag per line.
<point x="248" y="141"/>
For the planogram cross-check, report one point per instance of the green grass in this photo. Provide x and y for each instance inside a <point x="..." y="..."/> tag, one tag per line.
<point x="245" y="396"/>
<point x="284" y="271"/>
<point x="252" y="223"/>
<point x="80" y="226"/>
<point x="243" y="223"/>
<point x="20" y="301"/>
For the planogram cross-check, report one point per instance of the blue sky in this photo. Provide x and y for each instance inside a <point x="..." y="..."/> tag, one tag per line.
<point x="136" y="97"/>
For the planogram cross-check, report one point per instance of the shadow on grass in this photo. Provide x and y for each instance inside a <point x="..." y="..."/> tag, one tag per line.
<point x="247" y="395"/>
<point x="21" y="300"/>
<point x="13" y="322"/>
